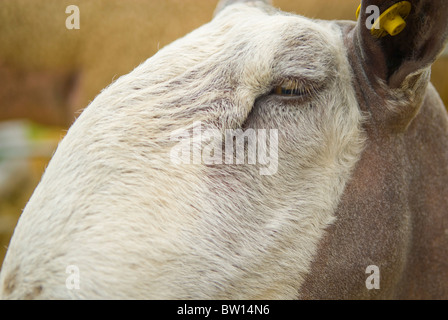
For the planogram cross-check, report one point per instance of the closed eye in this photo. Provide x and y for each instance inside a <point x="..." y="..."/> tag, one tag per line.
<point x="292" y="88"/>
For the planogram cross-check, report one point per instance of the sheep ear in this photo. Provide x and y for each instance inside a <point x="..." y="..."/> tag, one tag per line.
<point x="224" y="3"/>
<point x="409" y="37"/>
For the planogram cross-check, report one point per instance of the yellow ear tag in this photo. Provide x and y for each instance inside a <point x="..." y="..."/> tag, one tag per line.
<point x="392" y="21"/>
<point x="358" y="11"/>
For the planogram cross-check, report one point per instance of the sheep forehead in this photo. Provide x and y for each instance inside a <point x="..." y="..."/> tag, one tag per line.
<point x="280" y="44"/>
<point x="285" y="35"/>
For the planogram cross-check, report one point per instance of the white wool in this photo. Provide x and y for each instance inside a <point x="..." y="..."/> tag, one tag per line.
<point x="138" y="226"/>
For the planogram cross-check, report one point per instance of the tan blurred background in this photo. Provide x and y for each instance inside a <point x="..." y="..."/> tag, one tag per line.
<point x="48" y="73"/>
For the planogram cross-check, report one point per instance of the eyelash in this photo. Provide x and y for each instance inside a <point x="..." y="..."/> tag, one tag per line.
<point x="292" y="88"/>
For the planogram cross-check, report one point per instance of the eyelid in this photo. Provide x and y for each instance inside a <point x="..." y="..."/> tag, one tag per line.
<point x="292" y="88"/>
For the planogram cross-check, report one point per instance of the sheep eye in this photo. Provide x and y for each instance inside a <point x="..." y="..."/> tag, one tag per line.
<point x="290" y="89"/>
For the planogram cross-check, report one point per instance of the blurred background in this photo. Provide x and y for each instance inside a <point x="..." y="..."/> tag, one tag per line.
<point x="49" y="73"/>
